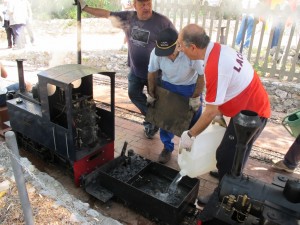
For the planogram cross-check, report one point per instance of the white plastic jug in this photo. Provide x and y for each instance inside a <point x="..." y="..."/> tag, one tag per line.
<point x="202" y="157"/>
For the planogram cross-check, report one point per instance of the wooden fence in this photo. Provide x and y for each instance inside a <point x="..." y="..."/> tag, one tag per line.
<point x="222" y="25"/>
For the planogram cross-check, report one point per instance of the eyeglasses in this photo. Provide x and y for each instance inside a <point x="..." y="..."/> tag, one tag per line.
<point x="181" y="46"/>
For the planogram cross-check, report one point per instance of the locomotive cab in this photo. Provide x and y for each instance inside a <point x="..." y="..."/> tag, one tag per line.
<point x="67" y="121"/>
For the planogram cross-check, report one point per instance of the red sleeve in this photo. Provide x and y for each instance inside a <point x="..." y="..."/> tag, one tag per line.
<point x="211" y="73"/>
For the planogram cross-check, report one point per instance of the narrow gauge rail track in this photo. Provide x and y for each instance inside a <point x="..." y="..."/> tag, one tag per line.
<point x="120" y="81"/>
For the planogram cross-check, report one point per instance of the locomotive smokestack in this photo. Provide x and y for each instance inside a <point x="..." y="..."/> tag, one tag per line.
<point x="246" y="124"/>
<point x="78" y="31"/>
<point x="21" y="75"/>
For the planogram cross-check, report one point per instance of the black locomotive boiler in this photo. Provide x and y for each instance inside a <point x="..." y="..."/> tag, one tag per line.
<point x="61" y="120"/>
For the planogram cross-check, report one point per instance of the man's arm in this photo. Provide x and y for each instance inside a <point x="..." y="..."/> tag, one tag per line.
<point x="152" y="78"/>
<point x="102" y="13"/>
<point x="199" y="86"/>
<point x="205" y="119"/>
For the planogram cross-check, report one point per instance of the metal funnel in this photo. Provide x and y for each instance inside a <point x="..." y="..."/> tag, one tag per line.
<point x="246" y="124"/>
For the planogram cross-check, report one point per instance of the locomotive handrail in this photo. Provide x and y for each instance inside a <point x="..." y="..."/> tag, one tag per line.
<point x="111" y="75"/>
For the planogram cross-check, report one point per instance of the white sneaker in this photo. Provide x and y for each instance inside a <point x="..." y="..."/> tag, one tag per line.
<point x="281" y="166"/>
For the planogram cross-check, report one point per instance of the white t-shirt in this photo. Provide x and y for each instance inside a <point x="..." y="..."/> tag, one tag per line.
<point x="232" y="84"/>
<point x="234" y="73"/>
<point x="182" y="71"/>
<point x="17" y="10"/>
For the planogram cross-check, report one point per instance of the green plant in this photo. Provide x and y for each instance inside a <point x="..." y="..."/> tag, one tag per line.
<point x="66" y="9"/>
<point x="257" y="68"/>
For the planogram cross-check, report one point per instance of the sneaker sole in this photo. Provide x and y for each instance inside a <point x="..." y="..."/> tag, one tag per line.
<point x="282" y="169"/>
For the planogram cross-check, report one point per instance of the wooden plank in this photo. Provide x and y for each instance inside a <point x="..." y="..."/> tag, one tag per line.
<point x="171" y="112"/>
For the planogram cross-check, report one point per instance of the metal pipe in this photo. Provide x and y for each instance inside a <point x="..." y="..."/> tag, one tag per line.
<point x="78" y="33"/>
<point x="10" y="139"/>
<point x="22" y="85"/>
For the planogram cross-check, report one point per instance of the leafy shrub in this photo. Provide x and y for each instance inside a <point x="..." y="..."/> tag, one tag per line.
<point x="66" y="9"/>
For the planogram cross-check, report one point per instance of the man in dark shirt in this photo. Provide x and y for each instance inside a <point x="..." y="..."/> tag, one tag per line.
<point x="141" y="28"/>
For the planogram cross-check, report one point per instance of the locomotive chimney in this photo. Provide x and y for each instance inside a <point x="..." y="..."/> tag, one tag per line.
<point x="246" y="124"/>
<point x="21" y="75"/>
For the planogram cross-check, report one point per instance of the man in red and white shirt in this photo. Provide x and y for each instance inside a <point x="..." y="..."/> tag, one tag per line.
<point x="232" y="85"/>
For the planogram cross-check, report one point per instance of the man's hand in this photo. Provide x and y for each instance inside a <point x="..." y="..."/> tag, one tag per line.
<point x="150" y="101"/>
<point x="220" y="120"/>
<point x="194" y="103"/>
<point x="82" y="4"/>
<point x="185" y="142"/>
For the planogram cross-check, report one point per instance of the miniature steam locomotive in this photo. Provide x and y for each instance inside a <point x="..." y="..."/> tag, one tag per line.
<point x="60" y="119"/>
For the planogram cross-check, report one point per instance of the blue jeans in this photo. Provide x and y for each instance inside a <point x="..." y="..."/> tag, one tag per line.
<point x="184" y="90"/>
<point x="248" y="33"/>
<point x="277" y="31"/>
<point x="135" y="92"/>
<point x="292" y="157"/>
<point x="18" y="30"/>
